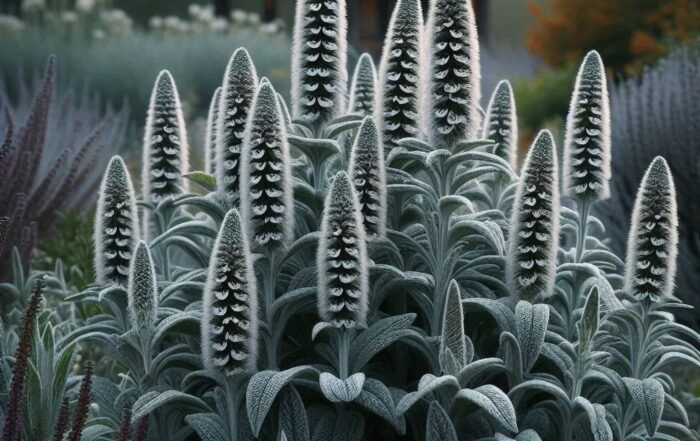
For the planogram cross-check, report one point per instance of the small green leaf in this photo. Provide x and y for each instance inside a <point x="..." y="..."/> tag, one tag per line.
<point x="204" y="180"/>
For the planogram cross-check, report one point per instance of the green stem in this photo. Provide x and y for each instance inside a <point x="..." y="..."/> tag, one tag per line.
<point x="231" y="390"/>
<point x="584" y="208"/>
<point x="343" y="352"/>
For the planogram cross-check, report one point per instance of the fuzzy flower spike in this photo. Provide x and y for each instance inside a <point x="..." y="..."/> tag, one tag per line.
<point x="454" y="73"/>
<point x="237" y="94"/>
<point x="342" y="258"/>
<point x="229" y="323"/>
<point x="368" y="175"/>
<point x="116" y="225"/>
<point x="501" y="123"/>
<point x="652" y="247"/>
<point x="142" y="289"/>
<point x="211" y="132"/>
<point x="586" y="159"/>
<point x="165" y="152"/>
<point x="534" y="227"/>
<point x="399" y="99"/>
<point x="319" y="58"/>
<point x="266" y="179"/>
<point x="364" y="86"/>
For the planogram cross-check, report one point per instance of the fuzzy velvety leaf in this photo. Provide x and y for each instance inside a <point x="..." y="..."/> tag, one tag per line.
<point x="204" y="180"/>
<point x="292" y="416"/>
<point x="337" y="390"/>
<point x="439" y="426"/>
<point x="376" y="398"/>
<point x="209" y="426"/>
<point x="491" y="400"/>
<point x="595" y="414"/>
<point x="377" y="337"/>
<point x="264" y="387"/>
<point x="531" y="325"/>
<point x="428" y="384"/>
<point x="152" y="401"/>
<point x="648" y="399"/>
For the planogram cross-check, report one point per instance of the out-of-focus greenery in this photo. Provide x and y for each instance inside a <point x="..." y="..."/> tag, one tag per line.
<point x="544" y="97"/>
<point x="72" y="244"/>
<point x="105" y="48"/>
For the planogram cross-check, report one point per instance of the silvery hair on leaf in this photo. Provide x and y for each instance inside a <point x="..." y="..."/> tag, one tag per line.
<point x="211" y="131"/>
<point x="142" y="289"/>
<point x="237" y="94"/>
<point x="165" y="147"/>
<point x="116" y="225"/>
<point x="454" y="73"/>
<point x="652" y="247"/>
<point x="368" y="175"/>
<point x="319" y="58"/>
<point x="586" y="160"/>
<point x="398" y="107"/>
<point x="364" y="87"/>
<point x="266" y="180"/>
<point x="453" y="340"/>
<point x="230" y="321"/>
<point x="343" y="281"/>
<point x="501" y="124"/>
<point x="534" y="226"/>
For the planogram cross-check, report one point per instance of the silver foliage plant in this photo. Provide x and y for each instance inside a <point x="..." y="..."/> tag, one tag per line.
<point x="266" y="188"/>
<point x="229" y="320"/>
<point x="116" y="225"/>
<point x="652" y="247"/>
<point x="534" y="228"/>
<point x="319" y="54"/>
<point x="364" y="87"/>
<point x="382" y="284"/>
<point x="237" y="94"/>
<point x="399" y="99"/>
<point x="342" y="258"/>
<point x="455" y="73"/>
<point x="211" y="132"/>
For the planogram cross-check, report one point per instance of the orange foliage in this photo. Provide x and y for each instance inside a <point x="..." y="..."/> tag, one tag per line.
<point x="625" y="32"/>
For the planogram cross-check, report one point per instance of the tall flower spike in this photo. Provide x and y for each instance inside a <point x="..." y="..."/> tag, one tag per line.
<point x="364" y="87"/>
<point x="652" y="247"/>
<point x="266" y="180"/>
<point x="212" y="129"/>
<point x="142" y="289"/>
<point x="399" y="100"/>
<point x="319" y="58"/>
<point x="534" y="227"/>
<point x="342" y="258"/>
<point x="453" y="327"/>
<point x="165" y="148"/>
<point x="83" y="407"/>
<point x="586" y="159"/>
<point x="454" y="73"/>
<point x="368" y="175"/>
<point x="501" y="123"/>
<point x="116" y="225"/>
<point x="229" y="323"/>
<point x="12" y="427"/>
<point x="237" y="94"/>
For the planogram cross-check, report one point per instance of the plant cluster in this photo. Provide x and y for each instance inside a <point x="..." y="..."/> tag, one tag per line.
<point x="53" y="148"/>
<point x="362" y="271"/>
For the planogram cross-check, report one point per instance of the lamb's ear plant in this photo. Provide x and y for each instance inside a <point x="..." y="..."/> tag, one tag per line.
<point x="237" y="94"/>
<point x="398" y="108"/>
<point x="653" y="239"/>
<point x="319" y="58"/>
<point x="501" y="123"/>
<point x="165" y="151"/>
<point x="534" y="226"/>
<point x="364" y="87"/>
<point x="116" y="225"/>
<point x="454" y="73"/>
<point x="586" y="161"/>
<point x="369" y="177"/>
<point x="211" y="132"/>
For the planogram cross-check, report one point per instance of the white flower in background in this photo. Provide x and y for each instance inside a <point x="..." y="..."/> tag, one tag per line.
<point x="116" y="22"/>
<point x="85" y="6"/>
<point x="254" y="19"/>
<point x="238" y="16"/>
<point x="69" y="18"/>
<point x="30" y="6"/>
<point x="155" y="23"/>
<point x="11" y="25"/>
